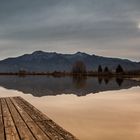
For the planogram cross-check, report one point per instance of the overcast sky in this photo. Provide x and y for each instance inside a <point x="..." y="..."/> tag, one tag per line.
<point x="101" y="27"/>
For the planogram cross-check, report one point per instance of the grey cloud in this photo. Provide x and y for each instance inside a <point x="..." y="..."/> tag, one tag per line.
<point x="91" y="22"/>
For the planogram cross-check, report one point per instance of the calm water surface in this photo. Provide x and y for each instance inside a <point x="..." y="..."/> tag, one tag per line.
<point x="90" y="108"/>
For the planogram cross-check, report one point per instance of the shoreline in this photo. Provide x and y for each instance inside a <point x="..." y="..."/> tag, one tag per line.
<point x="63" y="74"/>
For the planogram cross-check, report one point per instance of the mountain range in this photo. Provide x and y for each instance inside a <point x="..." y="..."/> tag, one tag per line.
<point x="40" y="61"/>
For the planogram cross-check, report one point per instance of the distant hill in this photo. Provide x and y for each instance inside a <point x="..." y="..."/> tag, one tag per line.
<point x="40" y="61"/>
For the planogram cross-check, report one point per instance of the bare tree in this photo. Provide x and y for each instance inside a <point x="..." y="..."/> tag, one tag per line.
<point x="79" y="68"/>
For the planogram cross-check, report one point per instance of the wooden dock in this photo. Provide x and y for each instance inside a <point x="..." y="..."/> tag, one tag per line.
<point x="19" y="120"/>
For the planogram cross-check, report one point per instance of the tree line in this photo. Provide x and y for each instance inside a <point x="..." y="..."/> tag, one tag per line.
<point x="119" y="69"/>
<point x="79" y="67"/>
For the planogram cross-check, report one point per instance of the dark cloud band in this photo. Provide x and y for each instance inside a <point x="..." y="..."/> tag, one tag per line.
<point x="92" y="23"/>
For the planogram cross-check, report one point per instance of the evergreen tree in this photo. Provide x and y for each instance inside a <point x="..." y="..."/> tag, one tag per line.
<point x="119" y="69"/>
<point x="100" y="70"/>
<point x="106" y="70"/>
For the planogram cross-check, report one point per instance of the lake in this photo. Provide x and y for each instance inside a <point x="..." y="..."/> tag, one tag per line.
<point x="90" y="108"/>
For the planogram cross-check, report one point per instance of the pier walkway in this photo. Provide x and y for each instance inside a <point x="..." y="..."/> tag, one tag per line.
<point x="19" y="120"/>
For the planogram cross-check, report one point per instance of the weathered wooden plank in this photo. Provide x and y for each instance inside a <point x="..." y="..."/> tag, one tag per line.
<point x="47" y="129"/>
<point x="22" y="121"/>
<point x="10" y="129"/>
<point x="36" y="114"/>
<point x="60" y="130"/>
<point x="44" y="122"/>
<point x="2" y="137"/>
<point x="37" y="132"/>
<point x="56" y="129"/>
<point x="23" y="130"/>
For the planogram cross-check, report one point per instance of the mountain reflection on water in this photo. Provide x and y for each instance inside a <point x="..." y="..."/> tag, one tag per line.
<point x="80" y="86"/>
